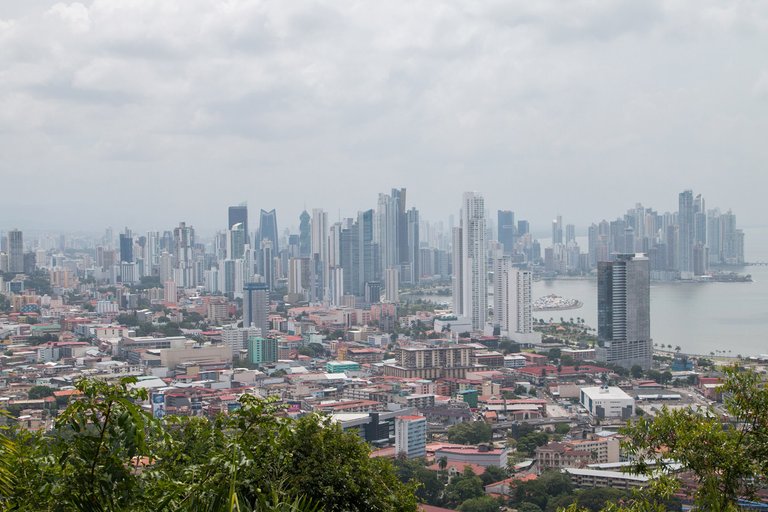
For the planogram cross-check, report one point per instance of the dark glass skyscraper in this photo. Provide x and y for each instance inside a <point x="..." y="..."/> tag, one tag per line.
<point x="506" y="230"/>
<point x="305" y="235"/>
<point x="624" y="311"/>
<point x="256" y="306"/>
<point x="268" y="229"/>
<point x="126" y="248"/>
<point x="239" y="215"/>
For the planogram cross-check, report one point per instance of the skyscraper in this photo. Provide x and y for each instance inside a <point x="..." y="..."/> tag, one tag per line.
<point x="126" y="247"/>
<point x="624" y="311"/>
<point x="368" y="259"/>
<point x="256" y="306"/>
<point x="506" y="230"/>
<point x="413" y="264"/>
<point x="305" y="235"/>
<point x="686" y="234"/>
<point x="470" y="268"/>
<point x="236" y="241"/>
<point x="320" y="257"/>
<point x="513" y="304"/>
<point x="557" y="230"/>
<point x="183" y="243"/>
<point x="239" y="215"/>
<point x="15" y="245"/>
<point x="268" y="229"/>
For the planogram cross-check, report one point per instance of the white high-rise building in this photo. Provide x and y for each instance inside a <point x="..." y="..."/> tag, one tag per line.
<point x="411" y="436"/>
<point x="470" y="279"/>
<point x="170" y="292"/>
<point x="320" y="256"/>
<point x="513" y="302"/>
<point x="392" y="285"/>
<point x="336" y="285"/>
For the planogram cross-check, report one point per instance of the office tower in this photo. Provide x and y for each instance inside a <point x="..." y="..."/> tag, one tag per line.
<point x="236" y="241"/>
<point x="239" y="215"/>
<point x="368" y="254"/>
<point x="386" y="233"/>
<point x="320" y="263"/>
<point x="268" y="229"/>
<point x="732" y="240"/>
<point x="392" y="285"/>
<point x="470" y="264"/>
<point x="152" y="253"/>
<point x="170" y="291"/>
<point x="334" y="244"/>
<point x="624" y="309"/>
<point x="685" y="221"/>
<point x="256" y="306"/>
<point x="570" y="233"/>
<point x="305" y="235"/>
<point x="699" y="221"/>
<point x="183" y="244"/>
<point x="557" y="230"/>
<point x="298" y="278"/>
<point x="126" y="247"/>
<point x="335" y="285"/>
<point x="15" y="244"/>
<point x="262" y="349"/>
<point x="513" y="303"/>
<point x="411" y="436"/>
<point x="506" y="230"/>
<point x="227" y="277"/>
<point x="714" y="236"/>
<point x="523" y="227"/>
<point x="412" y="266"/>
<point x="457" y="271"/>
<point x="372" y="292"/>
<point x="267" y="263"/>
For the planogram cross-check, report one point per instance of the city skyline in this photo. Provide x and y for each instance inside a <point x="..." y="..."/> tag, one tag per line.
<point x="536" y="106"/>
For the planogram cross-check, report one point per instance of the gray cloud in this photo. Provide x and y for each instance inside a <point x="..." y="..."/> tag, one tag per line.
<point x="149" y="113"/>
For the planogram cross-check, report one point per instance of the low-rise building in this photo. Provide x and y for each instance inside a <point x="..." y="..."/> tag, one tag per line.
<point x="482" y="455"/>
<point x="607" y="402"/>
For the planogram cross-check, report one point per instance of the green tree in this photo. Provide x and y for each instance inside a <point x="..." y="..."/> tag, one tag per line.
<point x="36" y="392"/>
<point x="728" y="459"/>
<point x="463" y="487"/>
<point x="414" y="471"/>
<point x="636" y="371"/>
<point x="493" y="474"/>
<point x="529" y="507"/>
<point x="106" y="454"/>
<point x="480" y="504"/>
<point x="529" y="442"/>
<point x="86" y="463"/>
<point x="470" y="432"/>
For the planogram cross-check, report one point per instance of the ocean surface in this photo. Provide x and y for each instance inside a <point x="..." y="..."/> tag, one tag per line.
<point x="699" y="317"/>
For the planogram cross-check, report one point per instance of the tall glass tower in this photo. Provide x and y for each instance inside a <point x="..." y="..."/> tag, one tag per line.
<point x="624" y="311"/>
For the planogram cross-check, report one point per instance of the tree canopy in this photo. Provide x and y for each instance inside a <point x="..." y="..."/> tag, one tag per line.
<point x="106" y="453"/>
<point x="470" y="432"/>
<point x="727" y="457"/>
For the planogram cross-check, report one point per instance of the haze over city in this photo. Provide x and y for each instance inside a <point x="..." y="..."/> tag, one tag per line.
<point x="139" y="114"/>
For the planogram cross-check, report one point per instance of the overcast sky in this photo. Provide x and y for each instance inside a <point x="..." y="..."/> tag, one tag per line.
<point x="147" y="112"/>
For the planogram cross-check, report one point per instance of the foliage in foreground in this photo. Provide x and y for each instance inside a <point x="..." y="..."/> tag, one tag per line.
<point x="728" y="460"/>
<point x="106" y="454"/>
